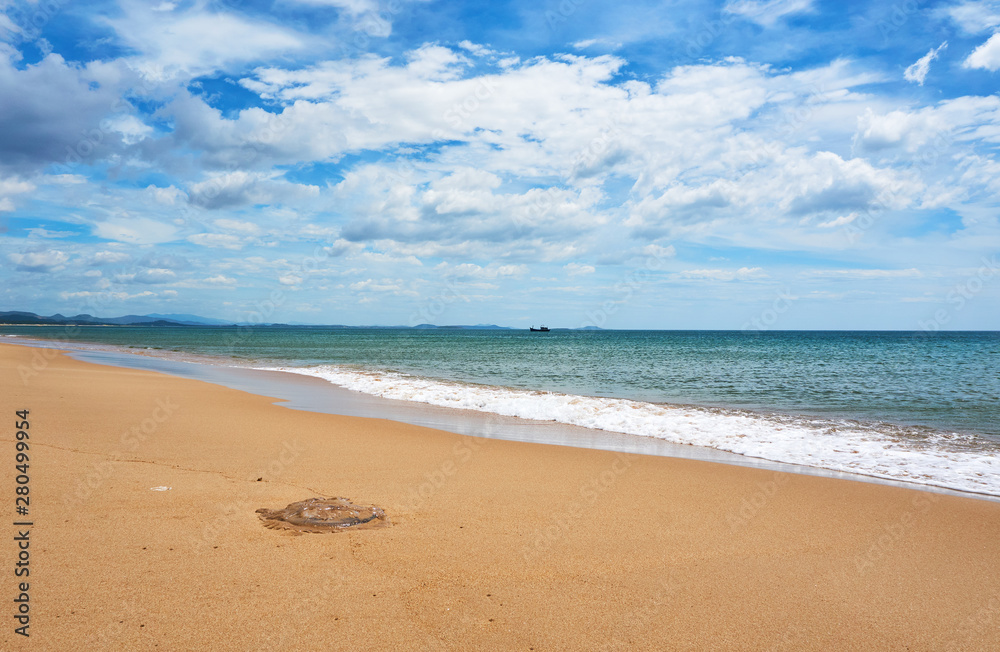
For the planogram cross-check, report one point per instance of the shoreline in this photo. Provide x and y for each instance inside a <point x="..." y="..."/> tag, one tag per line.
<point x="310" y="393"/>
<point x="494" y="544"/>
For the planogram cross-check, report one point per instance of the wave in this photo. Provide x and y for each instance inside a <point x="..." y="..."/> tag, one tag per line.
<point x="917" y="454"/>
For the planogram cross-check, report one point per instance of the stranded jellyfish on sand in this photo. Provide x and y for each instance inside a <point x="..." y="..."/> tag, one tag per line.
<point x="319" y="515"/>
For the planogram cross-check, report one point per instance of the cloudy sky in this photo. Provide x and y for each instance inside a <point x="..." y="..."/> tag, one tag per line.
<point x="772" y="164"/>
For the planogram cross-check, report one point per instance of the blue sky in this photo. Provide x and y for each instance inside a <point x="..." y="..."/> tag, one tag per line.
<point x="759" y="164"/>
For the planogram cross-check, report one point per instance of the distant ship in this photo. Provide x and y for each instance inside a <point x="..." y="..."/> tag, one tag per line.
<point x="543" y="329"/>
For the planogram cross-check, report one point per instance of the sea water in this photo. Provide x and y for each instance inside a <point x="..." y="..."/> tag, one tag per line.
<point x="911" y="406"/>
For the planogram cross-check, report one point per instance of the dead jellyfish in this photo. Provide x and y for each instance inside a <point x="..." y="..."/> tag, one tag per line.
<point x="319" y="515"/>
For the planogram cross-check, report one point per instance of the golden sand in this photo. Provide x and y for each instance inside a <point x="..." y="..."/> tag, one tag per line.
<point x="144" y="490"/>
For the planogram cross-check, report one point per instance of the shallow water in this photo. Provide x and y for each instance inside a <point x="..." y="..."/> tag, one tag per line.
<point x="909" y="406"/>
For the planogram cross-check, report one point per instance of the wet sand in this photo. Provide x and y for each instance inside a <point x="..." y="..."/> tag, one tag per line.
<point x="494" y="544"/>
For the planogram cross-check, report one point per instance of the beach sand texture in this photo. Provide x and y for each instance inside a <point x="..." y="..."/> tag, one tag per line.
<point x="494" y="545"/>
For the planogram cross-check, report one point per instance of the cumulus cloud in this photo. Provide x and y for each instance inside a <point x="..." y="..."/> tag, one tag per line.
<point x="240" y="188"/>
<point x="135" y="230"/>
<point x="238" y="226"/>
<point x="53" y="109"/>
<point x="109" y="258"/>
<point x="385" y="285"/>
<point x="9" y="188"/>
<point x="39" y="261"/>
<point x="193" y="41"/>
<point x="217" y="240"/>
<point x="938" y="125"/>
<point x="975" y="16"/>
<point x="577" y="269"/>
<point x="466" y="271"/>
<point x="220" y="280"/>
<point x="498" y="168"/>
<point x="986" y="56"/>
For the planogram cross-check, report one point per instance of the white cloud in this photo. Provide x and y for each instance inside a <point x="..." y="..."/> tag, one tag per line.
<point x="658" y="252"/>
<point x="577" y="269"/>
<point x="352" y="7"/>
<point x="51" y="108"/>
<point x="132" y="129"/>
<point x="155" y="275"/>
<point x="135" y="230"/>
<point x="767" y="12"/>
<point x="192" y="42"/>
<point x="39" y="261"/>
<point x="105" y="297"/>
<point x="917" y="72"/>
<point x="220" y="280"/>
<point x="246" y="228"/>
<point x="741" y="274"/>
<point x="986" y="56"/>
<point x="475" y="48"/>
<point x="239" y="188"/>
<point x="109" y="258"/>
<point x="958" y="119"/>
<point x="467" y="271"/>
<point x="975" y="17"/>
<point x="386" y="285"/>
<point x="169" y="196"/>
<point x="217" y="240"/>
<point x="839" y="221"/>
<point x="9" y="187"/>
<point x="862" y="274"/>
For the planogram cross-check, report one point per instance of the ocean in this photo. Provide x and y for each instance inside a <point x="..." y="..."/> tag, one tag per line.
<point x="908" y="406"/>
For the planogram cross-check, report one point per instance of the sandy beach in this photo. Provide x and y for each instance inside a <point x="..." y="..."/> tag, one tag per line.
<point x="493" y="545"/>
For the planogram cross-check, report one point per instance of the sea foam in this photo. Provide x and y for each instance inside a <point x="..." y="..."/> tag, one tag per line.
<point x="905" y="453"/>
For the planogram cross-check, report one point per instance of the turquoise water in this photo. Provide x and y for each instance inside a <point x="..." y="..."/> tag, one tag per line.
<point x="948" y="381"/>
<point x="921" y="407"/>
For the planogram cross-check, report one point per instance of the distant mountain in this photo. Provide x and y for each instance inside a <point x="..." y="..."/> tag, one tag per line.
<point x="18" y="317"/>
<point x="27" y="318"/>
<point x="191" y="319"/>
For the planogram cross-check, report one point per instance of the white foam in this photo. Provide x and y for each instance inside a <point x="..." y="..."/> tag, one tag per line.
<point x="951" y="460"/>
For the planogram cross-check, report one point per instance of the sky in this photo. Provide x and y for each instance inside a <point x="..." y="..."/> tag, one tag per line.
<point x="749" y="164"/>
